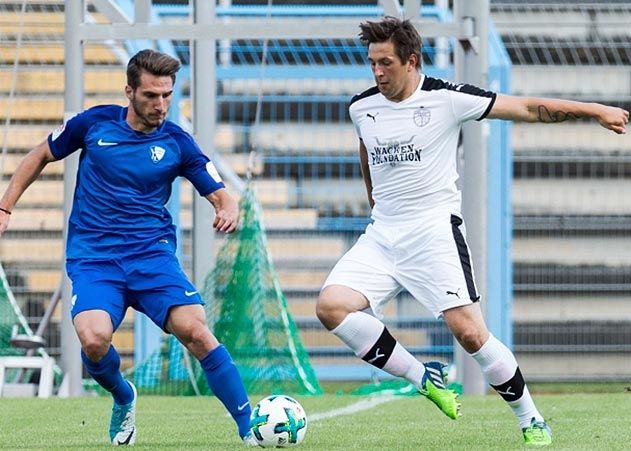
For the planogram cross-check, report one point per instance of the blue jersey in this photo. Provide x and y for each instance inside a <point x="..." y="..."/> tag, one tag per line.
<point x="124" y="181"/>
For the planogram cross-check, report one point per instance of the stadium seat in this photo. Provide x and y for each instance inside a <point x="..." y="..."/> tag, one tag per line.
<point x="44" y="364"/>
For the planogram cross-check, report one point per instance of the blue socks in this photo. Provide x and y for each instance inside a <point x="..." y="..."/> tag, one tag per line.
<point x="221" y="373"/>
<point x="107" y="373"/>
<point x="225" y="382"/>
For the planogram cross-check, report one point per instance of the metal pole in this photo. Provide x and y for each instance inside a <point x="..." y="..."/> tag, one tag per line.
<point x="225" y="52"/>
<point x="73" y="103"/>
<point x="142" y="11"/>
<point x="442" y="44"/>
<point x="412" y="9"/>
<point x="204" y="95"/>
<point x="472" y="67"/>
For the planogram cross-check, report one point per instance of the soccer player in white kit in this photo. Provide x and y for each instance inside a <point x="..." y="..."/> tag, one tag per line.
<point x="408" y="127"/>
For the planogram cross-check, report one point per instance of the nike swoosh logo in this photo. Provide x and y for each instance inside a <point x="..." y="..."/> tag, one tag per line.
<point x="242" y="406"/>
<point x="106" y="143"/>
<point x="126" y="442"/>
<point x="190" y="293"/>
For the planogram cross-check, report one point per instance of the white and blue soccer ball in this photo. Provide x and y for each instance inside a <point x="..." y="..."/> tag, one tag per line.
<point x="278" y="421"/>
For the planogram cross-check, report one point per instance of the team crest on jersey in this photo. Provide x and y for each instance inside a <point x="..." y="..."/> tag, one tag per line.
<point x="157" y="153"/>
<point x="422" y="116"/>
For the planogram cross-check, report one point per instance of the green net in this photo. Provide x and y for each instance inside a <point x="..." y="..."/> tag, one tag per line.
<point x="247" y="311"/>
<point x="168" y="371"/>
<point x="10" y="318"/>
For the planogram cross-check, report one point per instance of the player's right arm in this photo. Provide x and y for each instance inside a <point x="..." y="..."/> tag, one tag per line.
<point x="363" y="158"/>
<point x="27" y="171"/>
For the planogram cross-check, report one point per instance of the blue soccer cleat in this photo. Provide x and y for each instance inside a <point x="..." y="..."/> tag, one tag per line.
<point x="123" y="423"/>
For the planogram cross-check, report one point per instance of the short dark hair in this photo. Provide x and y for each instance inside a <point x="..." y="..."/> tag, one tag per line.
<point x="402" y="33"/>
<point x="152" y="61"/>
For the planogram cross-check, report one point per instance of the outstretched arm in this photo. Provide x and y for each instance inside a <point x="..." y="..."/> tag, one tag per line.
<point x="363" y="159"/>
<point x="27" y="171"/>
<point x="226" y="210"/>
<point x="537" y="109"/>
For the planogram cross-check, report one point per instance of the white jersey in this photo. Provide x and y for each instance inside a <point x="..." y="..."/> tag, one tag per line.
<point x="412" y="145"/>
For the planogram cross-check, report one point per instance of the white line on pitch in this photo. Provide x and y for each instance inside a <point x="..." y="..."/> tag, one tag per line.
<point x="364" y="404"/>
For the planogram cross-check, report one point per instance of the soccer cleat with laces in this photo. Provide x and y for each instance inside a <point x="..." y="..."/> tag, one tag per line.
<point x="433" y="388"/>
<point x="250" y="441"/>
<point x="537" y="434"/>
<point x="123" y="423"/>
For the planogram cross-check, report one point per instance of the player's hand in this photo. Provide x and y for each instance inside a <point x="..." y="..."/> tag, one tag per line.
<point x="4" y="221"/>
<point x="226" y="211"/>
<point x="614" y="118"/>
<point x="227" y="218"/>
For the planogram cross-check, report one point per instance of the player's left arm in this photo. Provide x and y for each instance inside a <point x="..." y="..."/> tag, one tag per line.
<point x="537" y="109"/>
<point x="226" y="210"/>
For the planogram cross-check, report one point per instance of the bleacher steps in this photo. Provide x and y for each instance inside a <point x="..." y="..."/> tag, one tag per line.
<point x="571" y="307"/>
<point x="51" y="53"/>
<point x="562" y="196"/>
<point x="612" y="250"/>
<point x="97" y="80"/>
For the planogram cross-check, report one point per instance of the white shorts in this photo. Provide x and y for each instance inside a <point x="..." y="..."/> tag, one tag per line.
<point x="429" y="258"/>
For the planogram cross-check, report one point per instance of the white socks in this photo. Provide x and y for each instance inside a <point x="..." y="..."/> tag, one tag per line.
<point x="370" y="340"/>
<point x="500" y="368"/>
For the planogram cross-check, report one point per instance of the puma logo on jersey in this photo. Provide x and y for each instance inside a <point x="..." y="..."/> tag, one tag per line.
<point x="454" y="293"/>
<point x="372" y="116"/>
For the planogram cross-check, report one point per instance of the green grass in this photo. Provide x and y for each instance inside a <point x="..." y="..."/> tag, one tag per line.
<point x="580" y="421"/>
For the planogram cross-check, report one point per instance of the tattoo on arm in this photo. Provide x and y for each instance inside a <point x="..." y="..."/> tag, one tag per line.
<point x="545" y="115"/>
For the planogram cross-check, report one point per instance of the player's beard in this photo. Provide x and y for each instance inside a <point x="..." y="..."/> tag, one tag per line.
<point x="390" y="91"/>
<point x="148" y="120"/>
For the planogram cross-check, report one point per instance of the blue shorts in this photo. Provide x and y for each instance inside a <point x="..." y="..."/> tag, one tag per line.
<point x="150" y="283"/>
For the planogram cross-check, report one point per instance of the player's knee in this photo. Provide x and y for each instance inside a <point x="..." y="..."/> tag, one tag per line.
<point x="193" y="333"/>
<point x="196" y="337"/>
<point x="324" y="305"/>
<point x="95" y="345"/>
<point x="471" y="338"/>
<point x="329" y="310"/>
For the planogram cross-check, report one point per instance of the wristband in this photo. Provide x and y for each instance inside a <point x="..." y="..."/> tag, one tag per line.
<point x="5" y="210"/>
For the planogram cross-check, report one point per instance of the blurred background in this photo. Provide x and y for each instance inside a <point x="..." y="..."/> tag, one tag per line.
<point x="279" y="113"/>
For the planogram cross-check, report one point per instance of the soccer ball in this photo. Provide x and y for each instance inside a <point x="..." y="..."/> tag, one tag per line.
<point x="278" y="421"/>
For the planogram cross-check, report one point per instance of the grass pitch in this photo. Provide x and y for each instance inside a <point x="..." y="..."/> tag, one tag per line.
<point x="580" y="421"/>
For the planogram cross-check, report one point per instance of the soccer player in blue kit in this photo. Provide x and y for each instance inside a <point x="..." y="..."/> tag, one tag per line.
<point x="121" y="239"/>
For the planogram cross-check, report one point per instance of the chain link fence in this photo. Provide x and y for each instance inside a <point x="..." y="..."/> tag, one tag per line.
<point x="572" y="268"/>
